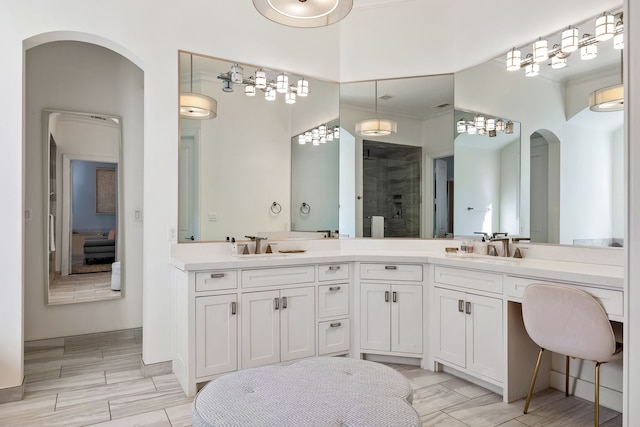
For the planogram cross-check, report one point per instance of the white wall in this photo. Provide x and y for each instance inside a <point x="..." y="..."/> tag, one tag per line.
<point x="617" y="184"/>
<point x="510" y="188"/>
<point x="58" y="77"/>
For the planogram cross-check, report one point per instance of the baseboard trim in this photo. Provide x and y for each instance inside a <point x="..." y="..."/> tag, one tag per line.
<point x="12" y="394"/>
<point x="153" y="369"/>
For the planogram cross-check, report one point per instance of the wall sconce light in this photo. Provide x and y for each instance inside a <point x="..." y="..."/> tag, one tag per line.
<point x="303" y="87"/>
<point x="250" y="90"/>
<point x="588" y="51"/>
<point x="270" y="94"/>
<point x="513" y="60"/>
<point x="261" y="79"/>
<point x="605" y="27"/>
<point x="540" y="50"/>
<point x="569" y="40"/>
<point x="282" y="83"/>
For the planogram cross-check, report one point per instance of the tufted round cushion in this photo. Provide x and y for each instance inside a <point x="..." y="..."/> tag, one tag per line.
<point x="326" y="391"/>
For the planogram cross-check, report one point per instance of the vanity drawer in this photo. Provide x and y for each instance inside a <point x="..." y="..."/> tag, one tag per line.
<point x="471" y="279"/>
<point x="333" y="336"/>
<point x="611" y="300"/>
<point x="216" y="280"/>
<point x="408" y="272"/>
<point x="278" y="276"/>
<point x="333" y="300"/>
<point x="333" y="272"/>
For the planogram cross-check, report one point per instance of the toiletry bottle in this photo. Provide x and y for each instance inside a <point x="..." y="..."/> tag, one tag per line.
<point x="234" y="246"/>
<point x="484" y="249"/>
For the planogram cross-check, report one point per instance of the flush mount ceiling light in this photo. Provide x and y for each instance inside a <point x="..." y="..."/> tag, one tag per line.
<point x="196" y="105"/>
<point x="303" y="13"/>
<point x="377" y="126"/>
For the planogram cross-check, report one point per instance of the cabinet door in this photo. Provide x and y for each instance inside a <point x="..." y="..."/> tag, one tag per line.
<point x="260" y="328"/>
<point x="216" y="335"/>
<point x="449" y="330"/>
<point x="375" y="316"/>
<point x="406" y="318"/>
<point x="297" y="323"/>
<point x="484" y="336"/>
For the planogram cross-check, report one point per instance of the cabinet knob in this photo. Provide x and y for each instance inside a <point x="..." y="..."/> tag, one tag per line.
<point x="334" y="288"/>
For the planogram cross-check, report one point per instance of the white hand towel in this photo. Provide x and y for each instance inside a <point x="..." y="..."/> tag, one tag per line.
<point x="377" y="227"/>
<point x="52" y="233"/>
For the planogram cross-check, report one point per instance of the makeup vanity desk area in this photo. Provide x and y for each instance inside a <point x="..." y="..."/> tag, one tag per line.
<point x="466" y="301"/>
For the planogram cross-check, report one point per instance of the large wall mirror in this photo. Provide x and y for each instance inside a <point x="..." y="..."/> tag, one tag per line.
<point x="236" y="175"/>
<point x="394" y="173"/>
<point x="83" y="202"/>
<point x="572" y="172"/>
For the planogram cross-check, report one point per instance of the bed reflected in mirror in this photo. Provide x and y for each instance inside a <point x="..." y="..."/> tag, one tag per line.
<point x="82" y="156"/>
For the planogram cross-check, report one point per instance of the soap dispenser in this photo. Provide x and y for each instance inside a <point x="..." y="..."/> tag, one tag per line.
<point x="234" y="246"/>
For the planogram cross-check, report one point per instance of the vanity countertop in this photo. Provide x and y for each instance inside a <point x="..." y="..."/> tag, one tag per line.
<point x="606" y="276"/>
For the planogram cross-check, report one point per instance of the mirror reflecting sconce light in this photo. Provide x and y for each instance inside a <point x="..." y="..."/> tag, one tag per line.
<point x="319" y="135"/>
<point x="481" y="125"/>
<point x="607" y="26"/>
<point x="260" y="81"/>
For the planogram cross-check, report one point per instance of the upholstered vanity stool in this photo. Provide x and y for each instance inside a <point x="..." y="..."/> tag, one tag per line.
<point x="568" y="321"/>
<point x="326" y="391"/>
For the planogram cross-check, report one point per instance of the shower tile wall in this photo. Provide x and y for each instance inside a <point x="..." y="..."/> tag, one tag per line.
<point x="391" y="187"/>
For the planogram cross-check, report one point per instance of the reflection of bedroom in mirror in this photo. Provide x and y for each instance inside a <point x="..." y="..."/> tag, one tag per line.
<point x="83" y="152"/>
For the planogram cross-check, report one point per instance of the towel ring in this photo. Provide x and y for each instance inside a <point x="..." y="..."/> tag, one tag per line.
<point x="276" y="208"/>
<point x="305" y="208"/>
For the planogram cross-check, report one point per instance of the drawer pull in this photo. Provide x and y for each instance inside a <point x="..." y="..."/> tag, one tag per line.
<point x="284" y="302"/>
<point x="234" y="308"/>
<point x="334" y="288"/>
<point x="461" y="306"/>
<point x="217" y="275"/>
<point x="335" y="325"/>
<point x="468" y="310"/>
<point x="390" y="267"/>
<point x="386" y="296"/>
<point x="395" y="296"/>
<point x="334" y="268"/>
<point x="276" y="303"/>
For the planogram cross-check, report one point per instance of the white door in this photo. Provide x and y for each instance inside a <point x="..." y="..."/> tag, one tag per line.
<point x="260" y="328"/>
<point x="375" y="316"/>
<point x="539" y="228"/>
<point x="484" y="336"/>
<point x="216" y="335"/>
<point x="297" y="323"/>
<point x="450" y="326"/>
<point x="406" y="318"/>
<point x="441" y="214"/>
<point x="188" y="217"/>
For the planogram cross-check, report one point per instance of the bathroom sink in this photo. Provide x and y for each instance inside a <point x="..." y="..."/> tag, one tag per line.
<point x="486" y="258"/>
<point x="261" y="256"/>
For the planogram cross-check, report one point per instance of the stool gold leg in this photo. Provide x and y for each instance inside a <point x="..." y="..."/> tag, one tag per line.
<point x="566" y="379"/>
<point x="533" y="381"/>
<point x="596" y="415"/>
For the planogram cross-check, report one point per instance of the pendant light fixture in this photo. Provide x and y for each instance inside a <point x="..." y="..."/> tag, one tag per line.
<point x="196" y="105"/>
<point x="609" y="98"/>
<point x="377" y="126"/>
<point x="303" y="13"/>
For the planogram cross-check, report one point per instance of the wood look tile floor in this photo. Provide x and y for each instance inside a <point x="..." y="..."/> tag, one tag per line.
<point x="96" y="380"/>
<point x="81" y="288"/>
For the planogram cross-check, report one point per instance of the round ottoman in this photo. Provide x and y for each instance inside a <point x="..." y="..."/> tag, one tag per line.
<point x="326" y="391"/>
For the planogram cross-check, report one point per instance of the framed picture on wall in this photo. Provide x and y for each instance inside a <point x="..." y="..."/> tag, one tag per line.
<point x="106" y="191"/>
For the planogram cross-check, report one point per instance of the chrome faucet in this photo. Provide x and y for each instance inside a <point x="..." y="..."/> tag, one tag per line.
<point x="258" y="241"/>
<point x="501" y="237"/>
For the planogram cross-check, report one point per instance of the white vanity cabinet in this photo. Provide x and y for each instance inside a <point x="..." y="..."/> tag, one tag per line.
<point x="216" y="334"/>
<point x="277" y="326"/>
<point x="391" y="315"/>
<point x="468" y="322"/>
